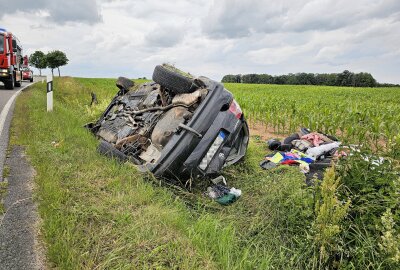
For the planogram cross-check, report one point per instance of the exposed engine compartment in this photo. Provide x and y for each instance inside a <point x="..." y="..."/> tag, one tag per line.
<point x="177" y="126"/>
<point x="140" y="122"/>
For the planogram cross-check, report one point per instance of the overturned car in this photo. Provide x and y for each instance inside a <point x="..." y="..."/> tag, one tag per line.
<point x="176" y="126"/>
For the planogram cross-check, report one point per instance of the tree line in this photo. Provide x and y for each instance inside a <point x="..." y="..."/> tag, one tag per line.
<point x="53" y="60"/>
<point x="346" y="78"/>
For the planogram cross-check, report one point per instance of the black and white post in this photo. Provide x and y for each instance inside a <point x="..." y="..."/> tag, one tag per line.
<point x="49" y="93"/>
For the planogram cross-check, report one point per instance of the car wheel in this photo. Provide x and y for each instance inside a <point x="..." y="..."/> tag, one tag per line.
<point x="174" y="81"/>
<point x="18" y="84"/>
<point x="9" y="84"/>
<point x="31" y="79"/>
<point x="124" y="85"/>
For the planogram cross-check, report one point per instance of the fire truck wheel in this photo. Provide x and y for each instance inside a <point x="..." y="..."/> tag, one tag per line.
<point x="9" y="84"/>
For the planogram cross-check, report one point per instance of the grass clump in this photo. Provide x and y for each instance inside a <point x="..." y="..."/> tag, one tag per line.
<point x="6" y="171"/>
<point x="3" y="191"/>
<point x="330" y="213"/>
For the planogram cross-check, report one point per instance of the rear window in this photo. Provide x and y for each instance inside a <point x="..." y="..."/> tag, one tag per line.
<point x="1" y="43"/>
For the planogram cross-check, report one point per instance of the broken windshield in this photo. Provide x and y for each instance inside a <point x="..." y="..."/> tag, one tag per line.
<point x="1" y="43"/>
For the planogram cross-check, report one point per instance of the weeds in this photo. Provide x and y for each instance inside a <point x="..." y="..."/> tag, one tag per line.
<point x="330" y="213"/>
<point x="389" y="243"/>
<point x="6" y="171"/>
<point x="3" y="191"/>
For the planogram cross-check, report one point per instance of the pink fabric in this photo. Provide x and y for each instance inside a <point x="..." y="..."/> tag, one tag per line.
<point x="313" y="137"/>
<point x="291" y="155"/>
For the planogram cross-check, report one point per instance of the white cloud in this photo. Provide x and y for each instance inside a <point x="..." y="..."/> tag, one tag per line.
<point x="110" y="38"/>
<point x="59" y="12"/>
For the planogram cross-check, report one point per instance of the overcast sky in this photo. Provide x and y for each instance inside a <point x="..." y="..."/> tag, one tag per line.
<point x="108" y="38"/>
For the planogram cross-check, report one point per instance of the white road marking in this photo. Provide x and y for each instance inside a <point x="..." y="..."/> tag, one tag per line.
<point x="6" y="109"/>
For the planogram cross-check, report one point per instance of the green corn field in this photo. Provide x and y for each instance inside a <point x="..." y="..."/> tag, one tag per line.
<point x="365" y="116"/>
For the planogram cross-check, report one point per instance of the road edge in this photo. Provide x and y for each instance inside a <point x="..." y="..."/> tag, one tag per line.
<point x="38" y="258"/>
<point x="6" y="114"/>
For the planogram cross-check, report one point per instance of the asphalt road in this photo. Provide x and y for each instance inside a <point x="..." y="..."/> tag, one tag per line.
<point x="19" y="245"/>
<point x="5" y="95"/>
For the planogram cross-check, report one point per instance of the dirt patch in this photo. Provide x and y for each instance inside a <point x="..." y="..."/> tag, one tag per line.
<point x="264" y="132"/>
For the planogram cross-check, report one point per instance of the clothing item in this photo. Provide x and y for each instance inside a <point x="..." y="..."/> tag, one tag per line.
<point x="312" y="152"/>
<point x="223" y="195"/>
<point x="314" y="138"/>
<point x="302" y="145"/>
<point x="316" y="152"/>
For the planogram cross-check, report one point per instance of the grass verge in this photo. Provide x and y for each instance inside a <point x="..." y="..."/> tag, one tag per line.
<point x="98" y="213"/>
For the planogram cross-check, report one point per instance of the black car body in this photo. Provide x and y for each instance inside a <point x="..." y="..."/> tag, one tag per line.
<point x="177" y="140"/>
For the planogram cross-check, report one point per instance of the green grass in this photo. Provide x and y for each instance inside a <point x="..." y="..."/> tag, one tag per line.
<point x="6" y="171"/>
<point x="3" y="191"/>
<point x="3" y="187"/>
<point x="98" y="213"/>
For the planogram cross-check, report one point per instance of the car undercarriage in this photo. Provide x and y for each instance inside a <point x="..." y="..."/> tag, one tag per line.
<point x="175" y="126"/>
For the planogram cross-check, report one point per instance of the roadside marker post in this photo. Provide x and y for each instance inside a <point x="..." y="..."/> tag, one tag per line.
<point x="49" y="93"/>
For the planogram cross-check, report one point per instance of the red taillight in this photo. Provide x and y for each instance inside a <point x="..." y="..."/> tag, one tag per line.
<point x="235" y="109"/>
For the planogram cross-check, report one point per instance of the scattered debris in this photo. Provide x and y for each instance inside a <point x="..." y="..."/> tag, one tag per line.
<point x="94" y="99"/>
<point x="56" y="144"/>
<point x="223" y="195"/>
<point x="312" y="152"/>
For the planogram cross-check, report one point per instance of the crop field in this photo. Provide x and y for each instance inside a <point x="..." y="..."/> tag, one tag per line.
<point x="100" y="214"/>
<point x="367" y="116"/>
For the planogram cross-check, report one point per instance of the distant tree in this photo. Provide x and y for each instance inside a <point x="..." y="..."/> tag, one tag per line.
<point x="231" y="79"/>
<point x="321" y="79"/>
<point x="265" y="79"/>
<point x="38" y="60"/>
<point x="250" y="78"/>
<point x="56" y="59"/>
<point x="281" y="79"/>
<point x="346" y="78"/>
<point x="332" y="79"/>
<point x="292" y="79"/>
<point x="387" y="85"/>
<point x="238" y="78"/>
<point x="364" y="79"/>
<point x="305" y="78"/>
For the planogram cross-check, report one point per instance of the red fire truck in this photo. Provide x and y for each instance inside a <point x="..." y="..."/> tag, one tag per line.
<point x="11" y="60"/>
